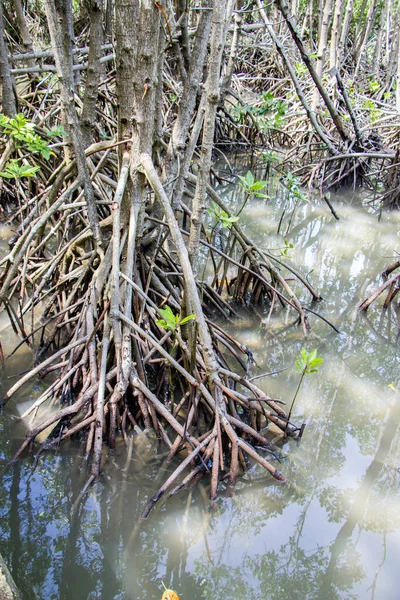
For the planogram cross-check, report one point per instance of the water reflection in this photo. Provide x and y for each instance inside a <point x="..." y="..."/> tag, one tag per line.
<point x="332" y="532"/>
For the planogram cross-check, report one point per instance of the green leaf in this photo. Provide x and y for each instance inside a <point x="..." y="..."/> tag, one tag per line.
<point x="15" y="171"/>
<point x="162" y="323"/>
<point x="308" y="362"/>
<point x="28" y="171"/>
<point x="258" y="185"/>
<point x="315" y="363"/>
<point x="168" y="314"/>
<point x="312" y="356"/>
<point x="4" y="120"/>
<point x="186" y="319"/>
<point x="247" y="180"/>
<point x="57" y="131"/>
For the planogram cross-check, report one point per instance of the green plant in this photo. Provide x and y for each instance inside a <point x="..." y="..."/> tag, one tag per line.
<point x="270" y="157"/>
<point x="240" y="112"/>
<point x="286" y="248"/>
<point x="38" y="145"/>
<point x="17" y="127"/>
<point x="267" y="114"/>
<point x="15" y="171"/>
<point x="374" y="86"/>
<point x="301" y="69"/>
<point x="306" y="363"/>
<point x="272" y="110"/>
<point x="22" y="132"/>
<point x="370" y="105"/>
<point x="251" y="187"/>
<point x="294" y="187"/>
<point x="171" y="322"/>
<point x="57" y="131"/>
<point x="104" y="135"/>
<point x="221" y="216"/>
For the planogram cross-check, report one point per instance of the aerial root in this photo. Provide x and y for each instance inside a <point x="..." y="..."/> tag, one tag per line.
<point x="119" y="369"/>
<point x="394" y="287"/>
<point x="219" y="451"/>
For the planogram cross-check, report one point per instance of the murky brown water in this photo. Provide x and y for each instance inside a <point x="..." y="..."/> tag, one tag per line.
<point x="332" y="532"/>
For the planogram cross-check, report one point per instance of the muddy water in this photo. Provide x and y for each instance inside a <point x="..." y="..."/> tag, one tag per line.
<point x="332" y="532"/>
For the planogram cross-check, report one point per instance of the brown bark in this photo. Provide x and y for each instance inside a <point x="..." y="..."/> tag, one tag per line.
<point x="6" y="83"/>
<point x="364" y="37"/>
<point x="177" y="145"/>
<point x="63" y="60"/>
<point x="345" y="31"/>
<point x="93" y="73"/>
<point x="213" y="90"/>
<point x="322" y="47"/>
<point x="23" y="27"/>
<point x="126" y="25"/>
<point x="335" y="33"/>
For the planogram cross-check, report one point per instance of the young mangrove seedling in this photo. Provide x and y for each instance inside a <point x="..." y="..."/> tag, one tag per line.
<point x="251" y="187"/>
<point x="171" y="322"/>
<point x="306" y="363"/>
<point x="221" y="216"/>
<point x="222" y="220"/>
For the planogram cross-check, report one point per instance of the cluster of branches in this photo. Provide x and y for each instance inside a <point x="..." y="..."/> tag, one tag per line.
<point x="110" y="224"/>
<point x="334" y="67"/>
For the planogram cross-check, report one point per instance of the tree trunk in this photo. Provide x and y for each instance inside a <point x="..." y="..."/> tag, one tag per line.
<point x="126" y="27"/>
<point x="394" y="49"/>
<point x="361" y="21"/>
<point x="6" y="82"/>
<point x="23" y="27"/>
<point x="108" y="19"/>
<point x="180" y="131"/>
<point x="93" y="73"/>
<point x="388" y="30"/>
<point x="345" y="31"/>
<point x="182" y="16"/>
<point x="212" y="99"/>
<point x="333" y="51"/>
<point x="398" y="79"/>
<point x="322" y="46"/>
<point x="376" y="66"/>
<point x="61" y="42"/>
<point x="232" y="56"/>
<point x="364" y="37"/>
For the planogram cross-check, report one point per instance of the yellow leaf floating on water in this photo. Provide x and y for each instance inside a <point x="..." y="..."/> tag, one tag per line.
<point x="170" y="595"/>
